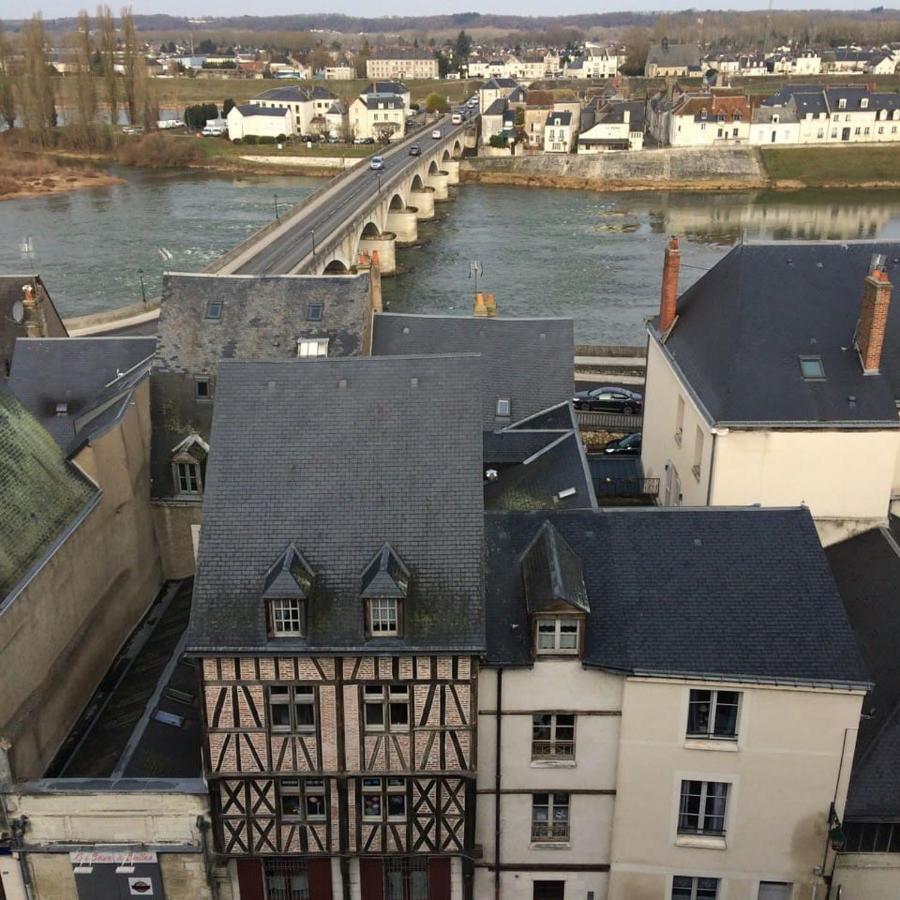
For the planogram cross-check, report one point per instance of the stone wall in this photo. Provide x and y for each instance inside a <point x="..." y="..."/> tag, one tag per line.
<point x="694" y="169"/>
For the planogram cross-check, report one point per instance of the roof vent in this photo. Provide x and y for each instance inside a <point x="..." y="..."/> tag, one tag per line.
<point x="492" y="475"/>
<point x="568" y="492"/>
<point x="414" y="382"/>
<point x="406" y="329"/>
<point x="62" y="409"/>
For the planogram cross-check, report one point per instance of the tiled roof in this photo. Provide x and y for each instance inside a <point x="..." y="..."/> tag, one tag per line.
<point x="505" y="344"/>
<point x="867" y="571"/>
<point x="339" y="458"/>
<point x="742" y="593"/>
<point x="40" y="492"/>
<point x="743" y="326"/>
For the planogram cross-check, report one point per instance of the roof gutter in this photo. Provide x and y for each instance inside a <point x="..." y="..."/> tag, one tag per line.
<point x="848" y="685"/>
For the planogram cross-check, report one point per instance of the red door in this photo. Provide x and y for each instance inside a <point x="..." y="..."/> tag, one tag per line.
<point x="250" y="879"/>
<point x="371" y="876"/>
<point x="319" y="874"/>
<point x="439" y="878"/>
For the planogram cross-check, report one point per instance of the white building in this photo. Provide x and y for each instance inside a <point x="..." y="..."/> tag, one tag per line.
<point x="339" y="73"/>
<point x="257" y="121"/>
<point x="296" y="99"/>
<point x="377" y="116"/>
<point x="619" y="126"/>
<point x="401" y="64"/>
<point x="769" y="380"/>
<point x="396" y="88"/>
<point x="559" y="132"/>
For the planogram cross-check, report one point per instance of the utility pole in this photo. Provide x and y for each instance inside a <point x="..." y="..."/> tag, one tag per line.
<point x="143" y="288"/>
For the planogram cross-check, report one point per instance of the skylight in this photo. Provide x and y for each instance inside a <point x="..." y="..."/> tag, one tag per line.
<point x="811" y="368"/>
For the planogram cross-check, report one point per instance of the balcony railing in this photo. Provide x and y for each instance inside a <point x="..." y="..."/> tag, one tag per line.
<point x="549" y="832"/>
<point x="552" y="749"/>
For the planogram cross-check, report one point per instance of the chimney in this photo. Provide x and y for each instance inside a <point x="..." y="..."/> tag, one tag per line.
<point x="490" y="305"/>
<point x="669" y="295"/>
<point x="479" y="309"/>
<point x="30" y="312"/>
<point x="873" y="315"/>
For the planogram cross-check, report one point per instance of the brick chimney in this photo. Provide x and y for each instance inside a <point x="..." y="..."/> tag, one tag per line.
<point x="490" y="304"/>
<point x="30" y="312"/>
<point x="479" y="310"/>
<point x="669" y="295"/>
<point x="873" y="316"/>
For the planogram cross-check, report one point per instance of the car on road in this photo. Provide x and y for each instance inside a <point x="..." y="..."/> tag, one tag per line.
<point x="630" y="445"/>
<point x="377" y="162"/>
<point x="436" y="134"/>
<point x="609" y="399"/>
<point x="456" y="119"/>
<point x="415" y="150"/>
<point x="473" y="102"/>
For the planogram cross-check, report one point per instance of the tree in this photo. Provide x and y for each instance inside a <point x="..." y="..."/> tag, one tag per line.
<point x="443" y="64"/>
<point x="499" y="140"/>
<point x="463" y="46"/>
<point x="131" y="60"/>
<point x="85" y="92"/>
<point x="637" y="40"/>
<point x="436" y="103"/>
<point x="7" y="94"/>
<point x="364" y="54"/>
<point x="227" y="106"/>
<point x="38" y="106"/>
<point x="106" y="29"/>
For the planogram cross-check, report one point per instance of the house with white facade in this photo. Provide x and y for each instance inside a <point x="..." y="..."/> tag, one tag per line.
<point x="296" y="99"/>
<point x="401" y="63"/>
<point x="250" y="120"/>
<point x="719" y="116"/>
<point x="495" y="89"/>
<point x="650" y="731"/>
<point x="619" y="126"/>
<point x="339" y="73"/>
<point x="773" y="377"/>
<point x="397" y="88"/>
<point x="560" y="131"/>
<point x="377" y="116"/>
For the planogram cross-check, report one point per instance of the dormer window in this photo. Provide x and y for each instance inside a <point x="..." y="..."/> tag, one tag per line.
<point x="864" y="103"/>
<point x="385" y="584"/>
<point x="842" y="103"/>
<point x="188" y="464"/>
<point x="559" y="634"/>
<point x="187" y="478"/>
<point x="286" y="592"/>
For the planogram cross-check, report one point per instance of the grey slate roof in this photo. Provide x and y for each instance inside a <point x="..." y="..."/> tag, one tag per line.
<point x="382" y="101"/>
<point x="673" y="55"/>
<point x="559" y="117"/>
<point x="262" y="317"/>
<point x="248" y="110"/>
<point x="84" y="373"/>
<point x="743" y="593"/>
<point x="743" y="325"/>
<point x="386" y="87"/>
<point x="867" y="571"/>
<point x="614" y="112"/>
<point x="494" y="84"/>
<point x="528" y="361"/>
<point x="497" y="108"/>
<point x="10" y="329"/>
<point x="338" y="458"/>
<point x="285" y="94"/>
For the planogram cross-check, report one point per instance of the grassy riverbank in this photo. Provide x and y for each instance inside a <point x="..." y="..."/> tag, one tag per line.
<point x="833" y="167"/>
<point x="37" y="175"/>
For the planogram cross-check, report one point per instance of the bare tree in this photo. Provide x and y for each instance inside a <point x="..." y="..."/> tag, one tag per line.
<point x="131" y="60"/>
<point x="36" y="86"/>
<point x="7" y="94"/>
<point x="106" y="28"/>
<point x="85" y="92"/>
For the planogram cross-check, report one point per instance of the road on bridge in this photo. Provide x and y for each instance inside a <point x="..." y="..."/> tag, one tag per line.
<point x="284" y="252"/>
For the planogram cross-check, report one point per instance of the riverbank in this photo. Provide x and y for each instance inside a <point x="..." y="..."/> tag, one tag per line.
<point x="40" y="176"/>
<point x="697" y="169"/>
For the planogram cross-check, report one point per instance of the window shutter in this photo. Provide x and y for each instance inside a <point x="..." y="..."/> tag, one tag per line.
<point x="438" y="878"/>
<point x="250" y="879"/>
<point x="371" y="876"/>
<point x="319" y="873"/>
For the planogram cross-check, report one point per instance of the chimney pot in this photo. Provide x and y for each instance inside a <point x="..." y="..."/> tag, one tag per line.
<point x="479" y="309"/>
<point x="490" y="305"/>
<point x="873" y="316"/>
<point x="668" y="300"/>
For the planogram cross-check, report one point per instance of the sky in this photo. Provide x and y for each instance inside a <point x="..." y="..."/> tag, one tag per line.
<point x="17" y="9"/>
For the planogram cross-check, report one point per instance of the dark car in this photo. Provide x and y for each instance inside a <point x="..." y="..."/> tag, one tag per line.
<point x="630" y="445"/>
<point x="415" y="150"/>
<point x="609" y="399"/>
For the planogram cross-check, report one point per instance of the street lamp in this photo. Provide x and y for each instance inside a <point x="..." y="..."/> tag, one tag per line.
<point x="276" y="206"/>
<point x="143" y="288"/>
<point x="378" y="176"/>
<point x="312" y="232"/>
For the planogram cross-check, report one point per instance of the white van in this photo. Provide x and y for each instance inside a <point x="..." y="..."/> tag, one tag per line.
<point x="456" y="118"/>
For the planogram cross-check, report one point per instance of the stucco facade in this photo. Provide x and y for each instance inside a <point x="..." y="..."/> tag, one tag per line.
<point x="790" y="760"/>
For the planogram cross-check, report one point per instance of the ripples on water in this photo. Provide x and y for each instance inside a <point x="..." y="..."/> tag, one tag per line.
<point x="593" y="256"/>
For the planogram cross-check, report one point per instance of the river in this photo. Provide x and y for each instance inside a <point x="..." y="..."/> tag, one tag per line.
<point x="593" y="256"/>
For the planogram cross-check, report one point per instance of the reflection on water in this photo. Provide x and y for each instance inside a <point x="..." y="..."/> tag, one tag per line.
<point x="597" y="256"/>
<point x="593" y="256"/>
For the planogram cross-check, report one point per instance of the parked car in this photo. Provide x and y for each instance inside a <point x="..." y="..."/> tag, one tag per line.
<point x="436" y="134"/>
<point x="415" y="150"/>
<point x="630" y="445"/>
<point x="367" y="140"/>
<point x="377" y="162"/>
<point x="609" y="399"/>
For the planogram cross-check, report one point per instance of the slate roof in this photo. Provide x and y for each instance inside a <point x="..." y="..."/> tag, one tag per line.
<point x="505" y="344"/>
<point x="559" y="117"/>
<point x="743" y="325"/>
<point x="339" y="457"/>
<point x="614" y="112"/>
<point x="496" y="84"/>
<point x="10" y="329"/>
<point x="382" y="101"/>
<point x="286" y="94"/>
<point x="84" y="373"/>
<point x="261" y="318"/>
<point x="386" y="87"/>
<point x="248" y="110"/>
<point x="497" y="108"/>
<point x="40" y="492"/>
<point x="867" y="571"/>
<point x="402" y="53"/>
<point x="673" y="55"/>
<point x="744" y="594"/>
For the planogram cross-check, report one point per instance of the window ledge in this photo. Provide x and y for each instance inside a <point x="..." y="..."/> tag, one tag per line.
<point x="710" y="744"/>
<point x="550" y="845"/>
<point x="553" y="764"/>
<point x="702" y="841"/>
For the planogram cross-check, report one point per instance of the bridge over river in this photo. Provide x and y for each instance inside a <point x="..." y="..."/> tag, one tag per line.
<point x="359" y="211"/>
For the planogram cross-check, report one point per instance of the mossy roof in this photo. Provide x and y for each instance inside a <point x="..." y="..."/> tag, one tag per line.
<point x="40" y="492"/>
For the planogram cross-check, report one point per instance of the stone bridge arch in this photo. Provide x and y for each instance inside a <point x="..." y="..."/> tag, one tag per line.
<point x="336" y="266"/>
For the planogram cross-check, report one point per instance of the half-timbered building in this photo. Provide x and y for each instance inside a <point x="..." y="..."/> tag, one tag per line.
<point x="338" y="619"/>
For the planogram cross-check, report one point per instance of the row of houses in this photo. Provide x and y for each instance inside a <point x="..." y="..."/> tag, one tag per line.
<point x="593" y="61"/>
<point x="390" y="646"/>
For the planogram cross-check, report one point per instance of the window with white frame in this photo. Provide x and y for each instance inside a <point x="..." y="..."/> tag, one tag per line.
<point x="558" y="634"/>
<point x="553" y="736"/>
<point x="286" y="617"/>
<point x="550" y="818"/>
<point x="383" y="798"/>
<point x="713" y="714"/>
<point x="187" y="477"/>
<point x="383" y="617"/>
<point x="302" y="799"/>
<point x="689" y="887"/>
<point x="386" y="707"/>
<point x="315" y="348"/>
<point x="292" y="708"/>
<point x="702" y="808"/>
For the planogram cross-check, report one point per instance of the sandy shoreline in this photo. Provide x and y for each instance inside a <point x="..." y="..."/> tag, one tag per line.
<point x="61" y="183"/>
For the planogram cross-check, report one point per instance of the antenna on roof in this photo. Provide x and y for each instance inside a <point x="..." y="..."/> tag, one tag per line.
<point x="876" y="263"/>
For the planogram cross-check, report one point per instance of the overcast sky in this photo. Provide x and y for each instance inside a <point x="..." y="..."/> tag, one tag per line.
<point x="13" y="9"/>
